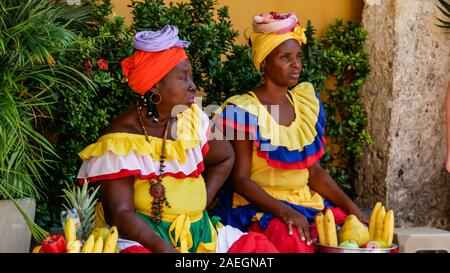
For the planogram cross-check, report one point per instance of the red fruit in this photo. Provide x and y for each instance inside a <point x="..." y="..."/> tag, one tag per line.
<point x="54" y="244"/>
<point x="372" y="245"/>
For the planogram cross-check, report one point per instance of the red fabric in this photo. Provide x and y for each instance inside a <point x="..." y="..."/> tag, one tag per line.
<point x="253" y="242"/>
<point x="126" y="173"/>
<point x="144" y="69"/>
<point x="135" y="249"/>
<point x="277" y="233"/>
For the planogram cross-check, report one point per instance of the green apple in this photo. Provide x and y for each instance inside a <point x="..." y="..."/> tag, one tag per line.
<point x="349" y="244"/>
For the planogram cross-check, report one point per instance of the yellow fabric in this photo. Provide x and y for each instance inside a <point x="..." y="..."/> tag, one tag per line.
<point x="300" y="132"/>
<point x="183" y="237"/>
<point x="181" y="226"/>
<point x="189" y="125"/>
<point x="282" y="184"/>
<point x="186" y="196"/>
<point x="264" y="43"/>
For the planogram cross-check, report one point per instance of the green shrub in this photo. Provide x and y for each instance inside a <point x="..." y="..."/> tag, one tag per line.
<point x="221" y="68"/>
<point x="342" y="56"/>
<point x="82" y="114"/>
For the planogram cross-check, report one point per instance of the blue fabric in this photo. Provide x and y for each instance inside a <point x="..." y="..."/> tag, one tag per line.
<point x="241" y="217"/>
<point x="239" y="115"/>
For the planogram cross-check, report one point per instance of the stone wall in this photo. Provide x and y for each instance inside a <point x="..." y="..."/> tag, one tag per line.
<point x="405" y="99"/>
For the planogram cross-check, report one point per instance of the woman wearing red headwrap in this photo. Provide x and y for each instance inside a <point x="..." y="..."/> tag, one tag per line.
<point x="156" y="168"/>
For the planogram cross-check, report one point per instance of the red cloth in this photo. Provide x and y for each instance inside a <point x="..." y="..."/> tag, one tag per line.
<point x="135" y="249"/>
<point x="253" y="242"/>
<point x="277" y="233"/>
<point x="145" y="69"/>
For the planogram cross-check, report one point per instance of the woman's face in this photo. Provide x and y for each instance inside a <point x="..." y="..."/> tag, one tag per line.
<point x="283" y="65"/>
<point x="177" y="87"/>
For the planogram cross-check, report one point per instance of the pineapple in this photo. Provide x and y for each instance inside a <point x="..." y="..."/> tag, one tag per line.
<point x="82" y="199"/>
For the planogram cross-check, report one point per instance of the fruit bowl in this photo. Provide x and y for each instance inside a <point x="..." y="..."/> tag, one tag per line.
<point x="329" y="249"/>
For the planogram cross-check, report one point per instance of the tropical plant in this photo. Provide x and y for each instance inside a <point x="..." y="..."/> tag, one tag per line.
<point x="82" y="115"/>
<point x="83" y="200"/>
<point x="33" y="34"/>
<point x="444" y="7"/>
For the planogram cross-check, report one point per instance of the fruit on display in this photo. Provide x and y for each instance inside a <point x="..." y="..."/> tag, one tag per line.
<point x="83" y="200"/>
<point x="319" y="218"/>
<point x="73" y="246"/>
<point x="98" y="245"/>
<point x="58" y="244"/>
<point x="53" y="244"/>
<point x="111" y="241"/>
<point x="372" y="245"/>
<point x="100" y="232"/>
<point x="88" y="245"/>
<point x="373" y="219"/>
<point x="354" y="233"/>
<point x="70" y="230"/>
<point x="326" y="225"/>
<point x="381" y="226"/>
<point x="349" y="244"/>
<point x="353" y="230"/>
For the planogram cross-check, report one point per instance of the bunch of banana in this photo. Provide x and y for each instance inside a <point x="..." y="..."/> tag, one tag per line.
<point x="101" y="242"/>
<point x="381" y="225"/>
<point x="326" y="228"/>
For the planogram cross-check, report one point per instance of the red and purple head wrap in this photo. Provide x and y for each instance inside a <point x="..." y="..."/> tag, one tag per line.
<point x="157" y="52"/>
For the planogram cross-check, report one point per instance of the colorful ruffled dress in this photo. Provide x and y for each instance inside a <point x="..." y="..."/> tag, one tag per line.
<point x="186" y="224"/>
<point x="280" y="156"/>
<point x="118" y="155"/>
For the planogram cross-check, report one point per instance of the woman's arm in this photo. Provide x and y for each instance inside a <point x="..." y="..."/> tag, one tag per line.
<point x="219" y="162"/>
<point x="117" y="201"/>
<point x="258" y="196"/>
<point x="321" y="182"/>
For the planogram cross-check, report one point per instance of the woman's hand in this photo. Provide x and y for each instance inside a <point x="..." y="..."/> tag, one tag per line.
<point x="295" y="219"/>
<point x="355" y="210"/>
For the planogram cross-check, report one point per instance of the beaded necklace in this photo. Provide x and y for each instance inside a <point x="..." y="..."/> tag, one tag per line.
<point x="157" y="189"/>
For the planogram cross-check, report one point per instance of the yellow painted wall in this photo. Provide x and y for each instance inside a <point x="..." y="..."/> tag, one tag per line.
<point x="320" y="12"/>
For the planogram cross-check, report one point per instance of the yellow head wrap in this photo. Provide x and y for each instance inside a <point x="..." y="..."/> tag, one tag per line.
<point x="264" y="42"/>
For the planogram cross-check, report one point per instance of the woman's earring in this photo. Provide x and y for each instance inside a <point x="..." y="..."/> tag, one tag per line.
<point x="263" y="81"/>
<point x="155" y="98"/>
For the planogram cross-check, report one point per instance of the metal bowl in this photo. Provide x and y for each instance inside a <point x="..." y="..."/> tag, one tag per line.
<point x="330" y="249"/>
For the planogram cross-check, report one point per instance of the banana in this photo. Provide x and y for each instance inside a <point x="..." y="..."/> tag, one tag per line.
<point x="379" y="226"/>
<point x="330" y="229"/>
<point x="88" y="245"/>
<point x="98" y="245"/>
<point x="70" y="231"/>
<point x="320" y="228"/>
<point x="111" y="241"/>
<point x="100" y="231"/>
<point x="388" y="229"/>
<point x="373" y="220"/>
<point x="73" y="247"/>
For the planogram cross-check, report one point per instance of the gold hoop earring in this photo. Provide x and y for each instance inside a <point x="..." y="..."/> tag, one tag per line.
<point x="158" y="100"/>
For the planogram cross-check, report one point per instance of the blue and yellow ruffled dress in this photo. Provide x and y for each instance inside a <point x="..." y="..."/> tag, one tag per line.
<point x="281" y="154"/>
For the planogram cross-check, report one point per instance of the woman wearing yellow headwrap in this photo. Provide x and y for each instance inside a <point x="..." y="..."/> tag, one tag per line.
<point x="277" y="178"/>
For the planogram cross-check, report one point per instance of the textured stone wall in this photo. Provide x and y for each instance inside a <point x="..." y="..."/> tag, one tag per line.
<point x="405" y="99"/>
